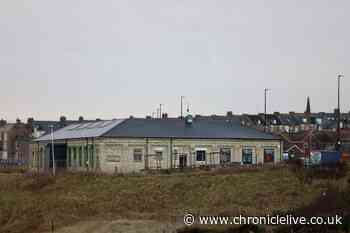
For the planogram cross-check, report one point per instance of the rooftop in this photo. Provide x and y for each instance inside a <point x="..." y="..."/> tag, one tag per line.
<point x="200" y="128"/>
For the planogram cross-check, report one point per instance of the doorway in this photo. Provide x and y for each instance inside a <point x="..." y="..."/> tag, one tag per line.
<point x="225" y="156"/>
<point x="182" y="160"/>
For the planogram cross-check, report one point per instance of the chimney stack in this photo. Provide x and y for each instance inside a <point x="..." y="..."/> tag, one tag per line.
<point x="165" y="116"/>
<point x="3" y="122"/>
<point x="63" y="119"/>
<point x="229" y="114"/>
<point x="30" y="121"/>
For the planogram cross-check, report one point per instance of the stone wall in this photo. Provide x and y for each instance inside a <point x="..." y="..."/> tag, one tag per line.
<point x="117" y="155"/>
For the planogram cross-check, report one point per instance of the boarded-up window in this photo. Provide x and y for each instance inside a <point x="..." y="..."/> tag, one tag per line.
<point x="113" y="153"/>
<point x="137" y="155"/>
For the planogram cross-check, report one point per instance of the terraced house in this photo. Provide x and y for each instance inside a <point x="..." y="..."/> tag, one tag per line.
<point x="138" y="144"/>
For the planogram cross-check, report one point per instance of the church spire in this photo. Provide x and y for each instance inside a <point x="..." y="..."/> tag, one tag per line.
<point x="308" y="106"/>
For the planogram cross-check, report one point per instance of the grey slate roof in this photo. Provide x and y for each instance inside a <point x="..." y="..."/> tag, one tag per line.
<point x="177" y="128"/>
<point x="201" y="128"/>
<point x="82" y="130"/>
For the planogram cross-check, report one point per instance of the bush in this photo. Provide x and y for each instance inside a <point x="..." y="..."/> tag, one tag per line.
<point x="307" y="175"/>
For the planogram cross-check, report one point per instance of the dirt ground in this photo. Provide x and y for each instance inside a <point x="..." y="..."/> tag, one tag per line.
<point x="119" y="226"/>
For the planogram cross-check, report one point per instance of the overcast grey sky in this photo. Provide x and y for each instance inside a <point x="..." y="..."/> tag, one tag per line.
<point x="115" y="58"/>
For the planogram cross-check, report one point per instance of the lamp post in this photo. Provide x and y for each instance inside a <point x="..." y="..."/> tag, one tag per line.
<point x="53" y="152"/>
<point x="182" y="97"/>
<point x="338" y="114"/>
<point x="265" y="108"/>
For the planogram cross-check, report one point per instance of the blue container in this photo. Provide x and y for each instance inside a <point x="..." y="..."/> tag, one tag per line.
<point x="325" y="157"/>
<point x="330" y="157"/>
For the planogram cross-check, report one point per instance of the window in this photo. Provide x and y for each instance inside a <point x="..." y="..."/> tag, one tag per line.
<point x="74" y="157"/>
<point x="175" y="154"/>
<point x="137" y="155"/>
<point x="225" y="155"/>
<point x="80" y="157"/>
<point x="247" y="156"/>
<point x="92" y="153"/>
<point x="40" y="157"/>
<point x="200" y="154"/>
<point x="113" y="153"/>
<point x="159" y="157"/>
<point x="269" y="155"/>
<point x="33" y="159"/>
<point x="68" y="157"/>
<point x="86" y="153"/>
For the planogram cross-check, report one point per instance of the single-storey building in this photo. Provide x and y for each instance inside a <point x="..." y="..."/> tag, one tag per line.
<point x="137" y="144"/>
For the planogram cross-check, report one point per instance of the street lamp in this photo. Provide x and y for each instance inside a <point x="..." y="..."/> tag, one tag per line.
<point x="338" y="114"/>
<point x="182" y="98"/>
<point x="53" y="152"/>
<point x="265" y="117"/>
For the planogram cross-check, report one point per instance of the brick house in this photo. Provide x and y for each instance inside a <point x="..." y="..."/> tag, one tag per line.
<point x="10" y="136"/>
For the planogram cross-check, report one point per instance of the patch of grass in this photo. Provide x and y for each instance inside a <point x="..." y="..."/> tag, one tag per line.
<point x="32" y="202"/>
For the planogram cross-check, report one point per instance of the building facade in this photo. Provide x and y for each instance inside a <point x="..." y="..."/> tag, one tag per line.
<point x="134" y="145"/>
<point x="11" y="135"/>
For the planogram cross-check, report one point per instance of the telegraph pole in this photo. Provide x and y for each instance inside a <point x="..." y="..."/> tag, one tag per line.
<point x="182" y="97"/>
